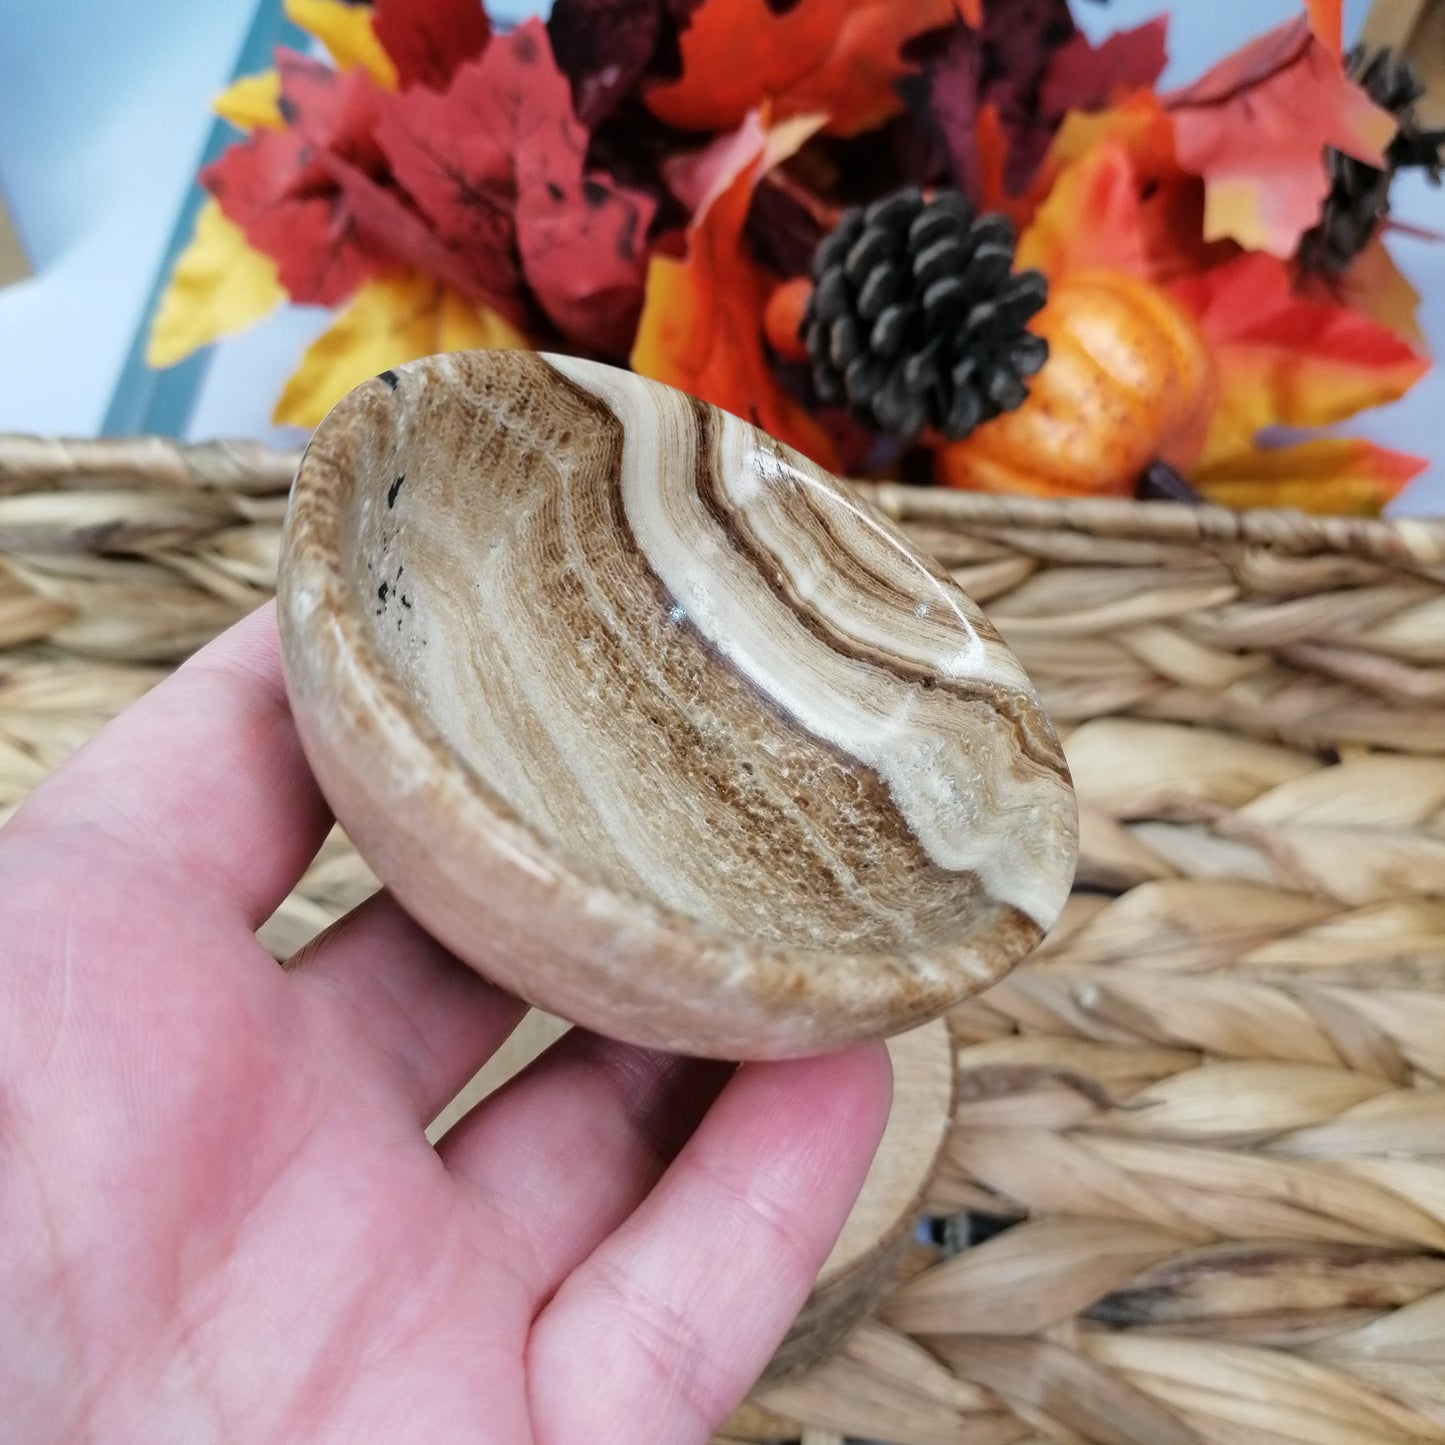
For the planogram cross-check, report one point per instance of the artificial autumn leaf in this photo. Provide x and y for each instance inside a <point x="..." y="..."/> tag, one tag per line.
<point x="1326" y="19"/>
<point x="606" y="47"/>
<point x="391" y="320"/>
<point x="385" y="221"/>
<point x="838" y="58"/>
<point x="251" y="102"/>
<point x="332" y="110"/>
<point x="990" y="148"/>
<point x="1002" y="63"/>
<point x="219" y="286"/>
<point x="1138" y="122"/>
<point x="1085" y="76"/>
<point x="496" y="164"/>
<point x="280" y="199"/>
<point x="582" y="240"/>
<point x="945" y="99"/>
<point x="1091" y="219"/>
<point x="1285" y="359"/>
<point x="345" y="30"/>
<point x="275" y="187"/>
<point x="1170" y="222"/>
<point x="701" y="326"/>
<point x="1330" y="476"/>
<point x="453" y="153"/>
<point x="429" y="40"/>
<point x="1256" y="128"/>
<point x="1375" y="287"/>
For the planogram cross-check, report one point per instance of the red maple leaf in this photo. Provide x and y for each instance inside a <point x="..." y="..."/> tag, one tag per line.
<point x="496" y="165"/>
<point x="430" y="40"/>
<point x="387" y="221"/>
<point x="453" y="155"/>
<point x="1256" y="128"/>
<point x="276" y="187"/>
<point x="582" y="239"/>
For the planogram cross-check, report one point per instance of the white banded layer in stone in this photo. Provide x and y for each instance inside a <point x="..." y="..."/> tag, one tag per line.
<point x="655" y="722"/>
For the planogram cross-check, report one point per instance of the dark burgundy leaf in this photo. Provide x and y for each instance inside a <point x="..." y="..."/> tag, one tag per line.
<point x="944" y="97"/>
<point x="1030" y="63"/>
<point x="604" y="47"/>
<point x="1083" y="76"/>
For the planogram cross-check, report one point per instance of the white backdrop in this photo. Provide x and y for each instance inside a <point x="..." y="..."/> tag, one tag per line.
<point x="101" y="124"/>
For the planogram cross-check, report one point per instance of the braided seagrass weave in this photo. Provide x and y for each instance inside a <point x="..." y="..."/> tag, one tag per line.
<point x="1199" y="1151"/>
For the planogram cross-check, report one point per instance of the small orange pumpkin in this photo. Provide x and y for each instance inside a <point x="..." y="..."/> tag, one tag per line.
<point x="1129" y="380"/>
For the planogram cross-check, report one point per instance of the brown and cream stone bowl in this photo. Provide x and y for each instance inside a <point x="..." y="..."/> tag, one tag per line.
<point x="652" y="721"/>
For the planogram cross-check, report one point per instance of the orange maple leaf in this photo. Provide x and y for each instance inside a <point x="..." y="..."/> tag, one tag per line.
<point x="1375" y="287"/>
<point x="1091" y="219"/>
<point x="840" y="58"/>
<point x="1256" y="128"/>
<point x="701" y="328"/>
<point x="1112" y="193"/>
<point x="1330" y="476"/>
<point x="991" y="142"/>
<point x="1286" y="359"/>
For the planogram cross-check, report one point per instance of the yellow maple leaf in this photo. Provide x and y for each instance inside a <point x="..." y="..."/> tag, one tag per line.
<point x="390" y="320"/>
<point x="346" y="32"/>
<point x="252" y="102"/>
<point x="219" y="286"/>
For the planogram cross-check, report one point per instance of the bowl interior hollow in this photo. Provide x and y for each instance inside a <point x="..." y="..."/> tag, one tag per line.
<point x="697" y="668"/>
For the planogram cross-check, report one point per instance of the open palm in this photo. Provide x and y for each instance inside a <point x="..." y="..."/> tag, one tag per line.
<point x="220" y="1219"/>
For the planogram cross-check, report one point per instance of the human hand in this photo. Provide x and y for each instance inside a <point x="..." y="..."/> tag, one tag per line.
<point x="220" y="1219"/>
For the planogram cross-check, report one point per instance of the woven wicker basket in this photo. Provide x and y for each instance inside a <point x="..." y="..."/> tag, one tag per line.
<point x="1199" y="1157"/>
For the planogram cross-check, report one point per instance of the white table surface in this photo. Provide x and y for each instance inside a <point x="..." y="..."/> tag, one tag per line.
<point x="102" y="121"/>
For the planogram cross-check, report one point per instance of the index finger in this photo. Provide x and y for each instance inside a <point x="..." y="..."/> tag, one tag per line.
<point x="203" y="777"/>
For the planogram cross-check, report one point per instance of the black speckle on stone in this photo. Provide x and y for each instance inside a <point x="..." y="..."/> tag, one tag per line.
<point x="556" y="192"/>
<point x="394" y="490"/>
<point x="405" y="600"/>
<point x="930" y="681"/>
<point x="594" y="192"/>
<point x="382" y="591"/>
<point x="389" y="377"/>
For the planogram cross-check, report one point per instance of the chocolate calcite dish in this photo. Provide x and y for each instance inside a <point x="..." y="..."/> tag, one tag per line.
<point x="654" y="722"/>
